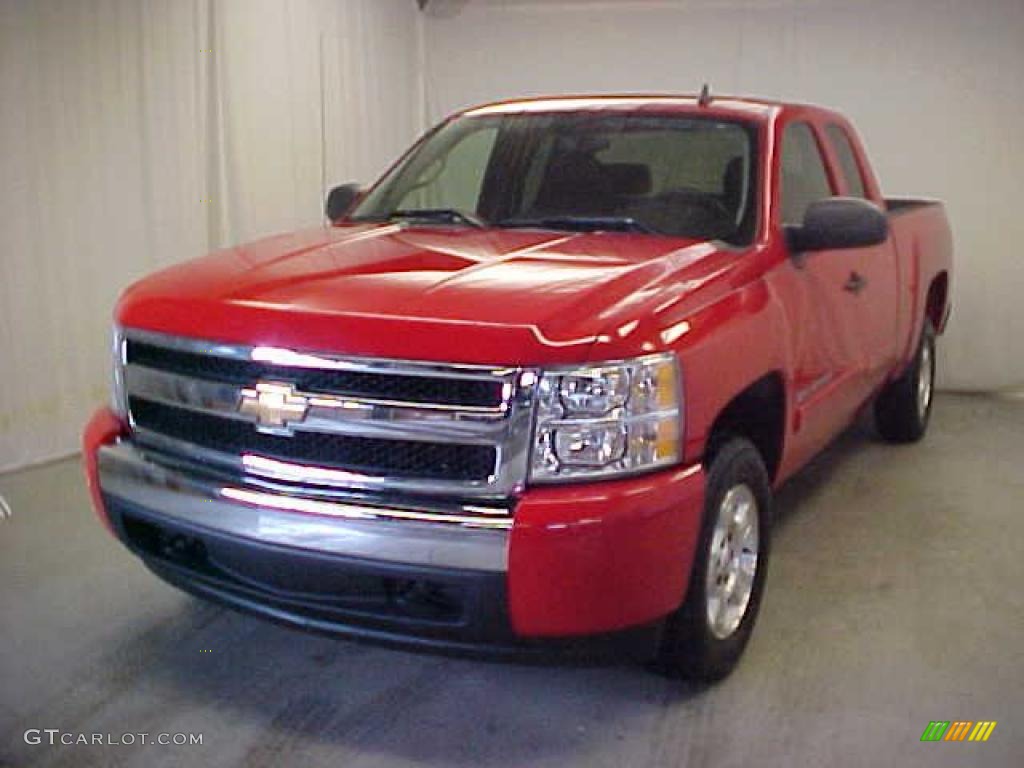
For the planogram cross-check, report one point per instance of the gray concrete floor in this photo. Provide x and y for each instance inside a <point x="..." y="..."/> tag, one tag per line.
<point x="894" y="598"/>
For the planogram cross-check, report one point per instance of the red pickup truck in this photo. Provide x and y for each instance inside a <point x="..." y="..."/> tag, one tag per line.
<point x="534" y="387"/>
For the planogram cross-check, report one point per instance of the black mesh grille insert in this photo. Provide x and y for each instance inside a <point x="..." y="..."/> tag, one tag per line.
<point x="408" y="458"/>
<point x="384" y="386"/>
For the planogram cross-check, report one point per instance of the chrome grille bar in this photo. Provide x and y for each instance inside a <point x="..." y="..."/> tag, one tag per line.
<point x="328" y="413"/>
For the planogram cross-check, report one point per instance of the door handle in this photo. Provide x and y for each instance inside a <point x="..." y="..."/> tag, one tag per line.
<point x="855" y="283"/>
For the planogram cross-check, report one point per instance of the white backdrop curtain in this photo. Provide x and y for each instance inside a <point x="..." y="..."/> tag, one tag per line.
<point x="936" y="88"/>
<point x="135" y="134"/>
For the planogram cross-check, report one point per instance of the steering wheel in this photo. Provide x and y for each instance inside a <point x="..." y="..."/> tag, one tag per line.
<point x="697" y="206"/>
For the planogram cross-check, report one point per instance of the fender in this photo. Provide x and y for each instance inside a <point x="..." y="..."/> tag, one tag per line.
<point x="727" y="335"/>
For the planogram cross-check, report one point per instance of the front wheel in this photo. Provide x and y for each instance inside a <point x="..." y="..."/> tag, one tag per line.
<point x="704" y="639"/>
<point x="904" y="407"/>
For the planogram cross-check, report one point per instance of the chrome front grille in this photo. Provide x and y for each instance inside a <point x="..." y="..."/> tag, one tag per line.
<point x="326" y="421"/>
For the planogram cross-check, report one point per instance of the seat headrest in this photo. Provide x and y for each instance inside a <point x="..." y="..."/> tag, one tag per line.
<point x="629" y="178"/>
<point x="575" y="183"/>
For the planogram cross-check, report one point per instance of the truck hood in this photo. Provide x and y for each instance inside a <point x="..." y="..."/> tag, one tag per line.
<point x="433" y="293"/>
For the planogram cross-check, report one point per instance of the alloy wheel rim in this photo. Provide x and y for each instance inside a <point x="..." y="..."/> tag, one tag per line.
<point x="732" y="561"/>
<point x="924" y="381"/>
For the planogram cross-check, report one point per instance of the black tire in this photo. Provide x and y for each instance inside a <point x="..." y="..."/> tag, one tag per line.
<point x="690" y="648"/>
<point x="900" y="415"/>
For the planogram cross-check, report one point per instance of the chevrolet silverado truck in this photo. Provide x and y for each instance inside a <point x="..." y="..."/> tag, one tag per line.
<point x="532" y="389"/>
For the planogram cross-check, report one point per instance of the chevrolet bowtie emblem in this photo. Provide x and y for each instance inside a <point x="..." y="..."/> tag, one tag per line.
<point x="274" y="405"/>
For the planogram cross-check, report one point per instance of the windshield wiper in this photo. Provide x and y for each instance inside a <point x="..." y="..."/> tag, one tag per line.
<point x="452" y="215"/>
<point x="582" y="223"/>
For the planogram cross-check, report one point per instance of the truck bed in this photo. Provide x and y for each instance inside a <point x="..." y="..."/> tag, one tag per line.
<point x="897" y="205"/>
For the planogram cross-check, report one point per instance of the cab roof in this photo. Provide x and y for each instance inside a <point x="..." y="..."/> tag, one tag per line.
<point x="750" y="108"/>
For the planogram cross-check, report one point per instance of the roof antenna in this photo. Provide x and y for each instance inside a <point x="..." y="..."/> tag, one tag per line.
<point x="704" y="99"/>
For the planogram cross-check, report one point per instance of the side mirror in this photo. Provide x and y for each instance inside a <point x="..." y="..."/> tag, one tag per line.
<point x="340" y="199"/>
<point x="839" y="222"/>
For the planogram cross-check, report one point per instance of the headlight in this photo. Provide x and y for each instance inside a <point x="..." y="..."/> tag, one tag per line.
<point x="118" y="398"/>
<point x="606" y="420"/>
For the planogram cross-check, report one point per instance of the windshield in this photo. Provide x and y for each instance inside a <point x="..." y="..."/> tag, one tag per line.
<point x="679" y="176"/>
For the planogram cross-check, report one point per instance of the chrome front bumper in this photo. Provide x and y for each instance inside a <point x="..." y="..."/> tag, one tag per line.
<point x="428" y="534"/>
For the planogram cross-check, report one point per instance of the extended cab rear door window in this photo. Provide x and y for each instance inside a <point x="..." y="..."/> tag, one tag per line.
<point x="804" y="179"/>
<point x="840" y="142"/>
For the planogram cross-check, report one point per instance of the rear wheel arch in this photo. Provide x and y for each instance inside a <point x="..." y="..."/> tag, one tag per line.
<point x="936" y="300"/>
<point x="757" y="413"/>
<point x="902" y="409"/>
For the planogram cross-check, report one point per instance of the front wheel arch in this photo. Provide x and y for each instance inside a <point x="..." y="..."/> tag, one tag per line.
<point x="757" y="413"/>
<point x="690" y="647"/>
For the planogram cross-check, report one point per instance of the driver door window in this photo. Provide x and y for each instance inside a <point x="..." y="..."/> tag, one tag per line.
<point x="847" y="160"/>
<point x="804" y="179"/>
